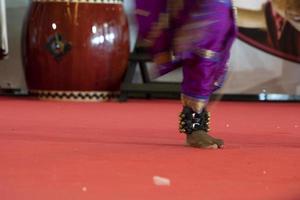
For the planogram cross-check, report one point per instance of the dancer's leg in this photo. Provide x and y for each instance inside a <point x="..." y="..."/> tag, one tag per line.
<point x="203" y="43"/>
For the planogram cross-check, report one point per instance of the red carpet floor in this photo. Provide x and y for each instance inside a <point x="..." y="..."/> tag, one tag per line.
<point x="103" y="151"/>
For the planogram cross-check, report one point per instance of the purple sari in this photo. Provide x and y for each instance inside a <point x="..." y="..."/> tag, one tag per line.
<point x="199" y="33"/>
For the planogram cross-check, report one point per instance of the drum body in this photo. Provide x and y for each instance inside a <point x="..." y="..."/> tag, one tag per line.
<point x="75" y="46"/>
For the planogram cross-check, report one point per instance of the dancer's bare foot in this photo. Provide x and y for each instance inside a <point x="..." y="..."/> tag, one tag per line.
<point x="200" y="139"/>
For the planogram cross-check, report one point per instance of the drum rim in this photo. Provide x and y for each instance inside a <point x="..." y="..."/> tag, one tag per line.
<point x="83" y="96"/>
<point x="81" y="1"/>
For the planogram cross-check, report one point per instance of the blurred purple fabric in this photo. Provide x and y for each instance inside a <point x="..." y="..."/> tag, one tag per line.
<point x="199" y="33"/>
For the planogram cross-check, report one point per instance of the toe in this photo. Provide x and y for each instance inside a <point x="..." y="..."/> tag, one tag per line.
<point x="214" y="146"/>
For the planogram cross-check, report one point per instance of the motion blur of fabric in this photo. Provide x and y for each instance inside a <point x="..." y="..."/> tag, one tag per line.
<point x="194" y="34"/>
<point x="3" y="30"/>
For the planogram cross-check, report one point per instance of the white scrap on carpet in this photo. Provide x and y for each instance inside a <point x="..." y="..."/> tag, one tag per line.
<point x="264" y="172"/>
<point x="161" y="181"/>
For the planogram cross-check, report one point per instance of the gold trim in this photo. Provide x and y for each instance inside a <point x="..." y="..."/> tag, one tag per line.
<point x="142" y="12"/>
<point x="208" y="54"/>
<point x="157" y="28"/>
<point x="163" y="23"/>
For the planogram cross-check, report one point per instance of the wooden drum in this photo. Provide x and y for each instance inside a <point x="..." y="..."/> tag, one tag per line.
<point x="75" y="49"/>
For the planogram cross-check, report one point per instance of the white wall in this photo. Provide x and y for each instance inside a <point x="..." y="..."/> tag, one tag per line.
<point x="254" y="71"/>
<point x="17" y="3"/>
<point x="129" y="8"/>
<point x="11" y="70"/>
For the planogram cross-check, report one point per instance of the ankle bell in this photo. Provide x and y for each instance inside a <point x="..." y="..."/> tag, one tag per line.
<point x="190" y="121"/>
